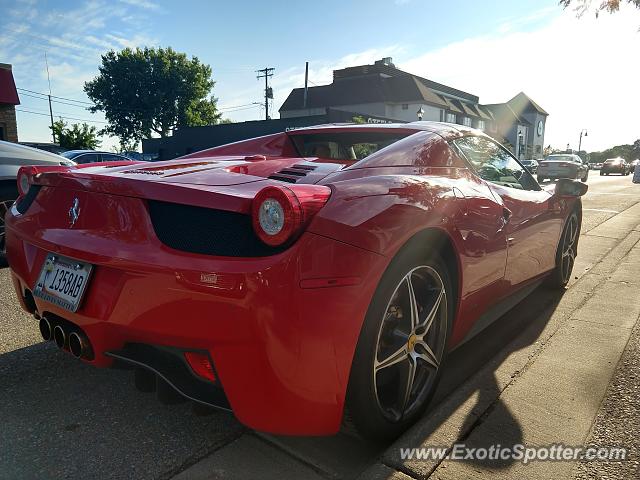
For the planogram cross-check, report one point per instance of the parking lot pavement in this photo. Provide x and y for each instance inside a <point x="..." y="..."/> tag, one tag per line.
<point x="537" y="374"/>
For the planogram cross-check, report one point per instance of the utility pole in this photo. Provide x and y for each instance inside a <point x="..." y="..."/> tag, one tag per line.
<point x="53" y="133"/>
<point x="268" y="92"/>
<point x="306" y="83"/>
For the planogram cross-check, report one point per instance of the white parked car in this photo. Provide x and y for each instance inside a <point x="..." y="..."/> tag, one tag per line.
<point x="12" y="157"/>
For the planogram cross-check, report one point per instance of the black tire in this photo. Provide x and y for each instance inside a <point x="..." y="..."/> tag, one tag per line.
<point x="8" y="194"/>
<point x="602" y="174"/>
<point x="586" y="176"/>
<point x="565" y="254"/>
<point x="389" y="348"/>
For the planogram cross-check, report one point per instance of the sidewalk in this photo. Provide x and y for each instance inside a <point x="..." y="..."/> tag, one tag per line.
<point x="550" y="391"/>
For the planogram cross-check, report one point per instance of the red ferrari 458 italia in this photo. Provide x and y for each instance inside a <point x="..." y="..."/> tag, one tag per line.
<point x="292" y="277"/>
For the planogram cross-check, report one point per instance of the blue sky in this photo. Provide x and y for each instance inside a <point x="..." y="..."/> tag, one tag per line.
<point x="492" y="49"/>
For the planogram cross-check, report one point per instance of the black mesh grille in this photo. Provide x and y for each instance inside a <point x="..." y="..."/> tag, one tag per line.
<point x="25" y="202"/>
<point x="207" y="231"/>
<point x="292" y="174"/>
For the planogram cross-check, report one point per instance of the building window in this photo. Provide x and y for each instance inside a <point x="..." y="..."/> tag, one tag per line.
<point x="451" y="117"/>
<point x="481" y="124"/>
<point x="466" y="121"/>
<point x="405" y="106"/>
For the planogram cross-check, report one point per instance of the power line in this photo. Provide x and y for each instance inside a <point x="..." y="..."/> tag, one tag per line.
<point x="59" y="100"/>
<point x="53" y="96"/>
<point x="61" y="116"/>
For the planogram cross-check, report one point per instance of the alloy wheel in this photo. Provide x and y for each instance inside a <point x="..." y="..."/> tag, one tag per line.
<point x="5" y="206"/>
<point x="411" y="343"/>
<point x="568" y="248"/>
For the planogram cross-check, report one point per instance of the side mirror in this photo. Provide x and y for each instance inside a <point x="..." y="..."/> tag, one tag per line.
<point x="570" y="188"/>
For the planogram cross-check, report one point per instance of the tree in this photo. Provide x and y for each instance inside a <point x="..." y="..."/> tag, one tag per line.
<point x="78" y="137"/>
<point x="635" y="150"/>
<point x="610" y="6"/>
<point x="152" y="90"/>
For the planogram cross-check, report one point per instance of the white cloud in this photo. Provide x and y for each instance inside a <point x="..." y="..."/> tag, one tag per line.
<point x="73" y="54"/>
<point x="582" y="71"/>
<point x="144" y="4"/>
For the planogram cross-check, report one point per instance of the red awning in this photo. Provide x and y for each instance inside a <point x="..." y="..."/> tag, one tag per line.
<point x="8" y="92"/>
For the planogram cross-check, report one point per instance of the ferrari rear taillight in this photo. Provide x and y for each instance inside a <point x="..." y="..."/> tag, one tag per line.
<point x="201" y="365"/>
<point x="24" y="180"/>
<point x="30" y="174"/>
<point x="279" y="214"/>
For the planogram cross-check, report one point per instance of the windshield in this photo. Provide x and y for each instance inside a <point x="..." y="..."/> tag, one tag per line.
<point x="71" y="154"/>
<point x="345" y="146"/>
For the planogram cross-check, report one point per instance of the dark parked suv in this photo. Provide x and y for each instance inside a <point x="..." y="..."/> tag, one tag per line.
<point x="615" y="165"/>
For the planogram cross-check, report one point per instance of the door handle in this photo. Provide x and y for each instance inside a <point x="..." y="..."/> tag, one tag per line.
<point x="506" y="214"/>
<point x="504" y="219"/>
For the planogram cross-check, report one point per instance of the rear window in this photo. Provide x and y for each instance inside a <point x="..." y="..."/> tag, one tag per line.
<point x="563" y="158"/>
<point x="344" y="146"/>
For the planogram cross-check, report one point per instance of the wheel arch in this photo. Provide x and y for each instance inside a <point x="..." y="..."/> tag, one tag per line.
<point x="438" y="240"/>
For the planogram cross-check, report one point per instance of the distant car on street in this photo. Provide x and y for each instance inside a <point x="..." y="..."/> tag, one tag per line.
<point x="633" y="165"/>
<point x="92" y="156"/>
<point x="531" y="165"/>
<point x="12" y="157"/>
<point x="615" y="165"/>
<point x="565" y="165"/>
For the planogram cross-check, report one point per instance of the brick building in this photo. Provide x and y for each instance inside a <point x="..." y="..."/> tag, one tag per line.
<point x="8" y="101"/>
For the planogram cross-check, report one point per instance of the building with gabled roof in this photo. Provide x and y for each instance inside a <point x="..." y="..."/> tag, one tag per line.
<point x="384" y="90"/>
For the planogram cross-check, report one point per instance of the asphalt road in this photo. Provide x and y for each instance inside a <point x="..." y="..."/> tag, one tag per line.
<point x="63" y="419"/>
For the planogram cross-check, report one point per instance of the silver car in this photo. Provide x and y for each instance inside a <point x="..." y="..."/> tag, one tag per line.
<point x="12" y="157"/>
<point x="565" y="165"/>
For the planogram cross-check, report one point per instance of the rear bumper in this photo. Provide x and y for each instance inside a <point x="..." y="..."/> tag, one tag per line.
<point x="613" y="170"/>
<point x="562" y="172"/>
<point x="280" y="336"/>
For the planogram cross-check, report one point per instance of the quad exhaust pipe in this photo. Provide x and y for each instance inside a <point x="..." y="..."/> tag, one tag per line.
<point x="60" y="337"/>
<point x="79" y="345"/>
<point x="75" y="341"/>
<point x="45" y="329"/>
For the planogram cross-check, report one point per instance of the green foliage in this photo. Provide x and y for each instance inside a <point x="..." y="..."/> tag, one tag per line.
<point x="611" y="6"/>
<point x="358" y="119"/>
<point x="628" y="152"/>
<point x="126" y="146"/>
<point x="145" y="91"/>
<point x="78" y="137"/>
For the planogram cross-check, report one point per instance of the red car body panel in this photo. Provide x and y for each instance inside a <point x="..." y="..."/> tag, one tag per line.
<point x="281" y="329"/>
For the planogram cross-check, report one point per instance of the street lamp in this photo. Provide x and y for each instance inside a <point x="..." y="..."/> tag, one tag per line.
<point x="583" y="131"/>
<point x="420" y="113"/>
<point x="520" y="143"/>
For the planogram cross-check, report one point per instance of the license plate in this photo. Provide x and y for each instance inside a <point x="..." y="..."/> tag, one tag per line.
<point x="62" y="281"/>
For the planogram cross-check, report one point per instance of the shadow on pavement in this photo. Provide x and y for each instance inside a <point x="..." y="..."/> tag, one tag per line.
<point x="64" y="419"/>
<point x="517" y="329"/>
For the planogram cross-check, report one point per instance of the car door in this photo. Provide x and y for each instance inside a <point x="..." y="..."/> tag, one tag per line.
<point x="531" y="227"/>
